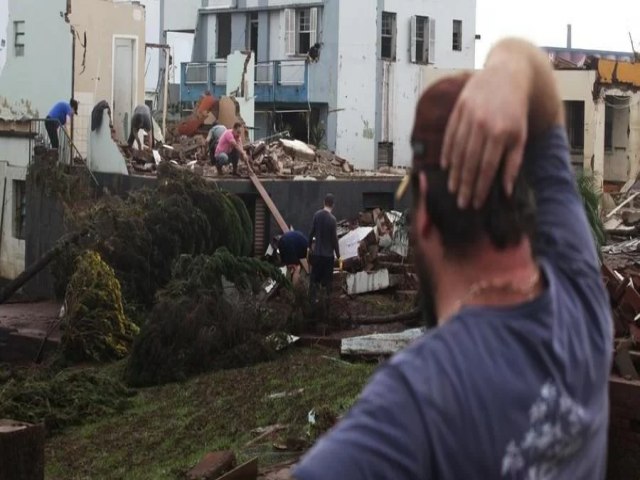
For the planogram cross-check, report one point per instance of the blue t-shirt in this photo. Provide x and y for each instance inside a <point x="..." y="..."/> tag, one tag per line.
<point x="497" y="392"/>
<point x="60" y="111"/>
<point x="293" y="247"/>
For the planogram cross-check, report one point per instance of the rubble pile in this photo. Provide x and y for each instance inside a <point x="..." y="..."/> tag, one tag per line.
<point x="295" y="158"/>
<point x="282" y="158"/>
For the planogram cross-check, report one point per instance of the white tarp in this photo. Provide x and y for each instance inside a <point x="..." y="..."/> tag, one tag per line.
<point x="351" y="241"/>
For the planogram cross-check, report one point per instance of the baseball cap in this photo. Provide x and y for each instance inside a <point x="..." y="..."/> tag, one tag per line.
<point x="432" y="115"/>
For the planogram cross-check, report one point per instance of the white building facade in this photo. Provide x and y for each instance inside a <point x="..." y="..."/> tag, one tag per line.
<point x="360" y="95"/>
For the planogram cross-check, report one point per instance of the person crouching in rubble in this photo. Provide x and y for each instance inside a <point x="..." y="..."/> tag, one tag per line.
<point x="213" y="137"/>
<point x="230" y="149"/>
<point x="292" y="247"/>
<point x="513" y="382"/>
<point x="141" y="120"/>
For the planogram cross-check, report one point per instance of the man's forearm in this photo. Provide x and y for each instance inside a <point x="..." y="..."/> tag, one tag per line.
<point x="531" y="70"/>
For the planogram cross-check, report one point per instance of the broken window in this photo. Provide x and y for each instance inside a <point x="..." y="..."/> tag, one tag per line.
<point x="301" y="30"/>
<point x="224" y="35"/>
<point x="423" y="39"/>
<point x="19" y="208"/>
<point x="574" y="114"/>
<point x="388" y="36"/>
<point x="252" y="32"/>
<point x="457" y="35"/>
<point x="18" y="29"/>
<point x="385" y="154"/>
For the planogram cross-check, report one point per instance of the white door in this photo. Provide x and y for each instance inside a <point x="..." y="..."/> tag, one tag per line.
<point x="123" y="85"/>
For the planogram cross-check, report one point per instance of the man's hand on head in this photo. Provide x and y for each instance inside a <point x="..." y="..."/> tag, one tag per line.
<point x="488" y="125"/>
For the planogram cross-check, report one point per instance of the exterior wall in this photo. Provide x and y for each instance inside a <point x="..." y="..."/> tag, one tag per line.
<point x="179" y="15"/>
<point x="24" y="86"/>
<point x="400" y="83"/>
<point x="102" y="21"/>
<point x="14" y="156"/>
<point x="356" y="89"/>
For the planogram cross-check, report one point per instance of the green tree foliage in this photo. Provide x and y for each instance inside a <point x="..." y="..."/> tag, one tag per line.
<point x="591" y="199"/>
<point x="94" y="326"/>
<point x="141" y="236"/>
<point x="207" y="317"/>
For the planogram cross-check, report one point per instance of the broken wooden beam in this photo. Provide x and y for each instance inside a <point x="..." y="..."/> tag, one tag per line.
<point x="379" y="344"/>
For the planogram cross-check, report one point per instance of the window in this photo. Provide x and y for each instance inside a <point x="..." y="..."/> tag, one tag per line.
<point x="423" y="40"/>
<point x="304" y="31"/>
<point x="457" y="35"/>
<point x="301" y="30"/>
<point x="18" y="29"/>
<point x="574" y="114"/>
<point x="19" y="208"/>
<point x="224" y="35"/>
<point x="388" y="36"/>
<point x="252" y="32"/>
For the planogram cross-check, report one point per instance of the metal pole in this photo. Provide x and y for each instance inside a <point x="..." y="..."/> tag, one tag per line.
<point x="166" y="92"/>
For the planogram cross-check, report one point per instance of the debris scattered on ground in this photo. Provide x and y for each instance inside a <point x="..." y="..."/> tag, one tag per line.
<point x="212" y="466"/>
<point x="379" y="345"/>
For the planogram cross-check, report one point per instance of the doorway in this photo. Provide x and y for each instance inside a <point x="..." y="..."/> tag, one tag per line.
<point x="124" y="81"/>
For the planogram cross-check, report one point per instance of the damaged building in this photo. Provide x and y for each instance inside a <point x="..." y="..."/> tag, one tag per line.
<point x="49" y="52"/>
<point x="601" y="93"/>
<point x="338" y="74"/>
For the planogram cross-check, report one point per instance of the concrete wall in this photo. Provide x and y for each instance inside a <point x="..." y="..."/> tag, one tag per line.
<point x="297" y="201"/>
<point x="14" y="155"/>
<point x="102" y="21"/>
<point x="403" y="80"/>
<point x="25" y="84"/>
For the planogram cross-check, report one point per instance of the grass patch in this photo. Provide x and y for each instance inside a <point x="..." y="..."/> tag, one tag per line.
<point x="169" y="428"/>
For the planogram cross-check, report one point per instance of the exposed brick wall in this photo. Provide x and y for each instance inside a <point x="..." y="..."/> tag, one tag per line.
<point x="624" y="430"/>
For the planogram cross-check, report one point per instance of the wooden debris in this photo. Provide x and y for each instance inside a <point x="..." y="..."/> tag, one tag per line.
<point x="212" y="466"/>
<point x="379" y="344"/>
<point x="246" y="471"/>
<point x="21" y="450"/>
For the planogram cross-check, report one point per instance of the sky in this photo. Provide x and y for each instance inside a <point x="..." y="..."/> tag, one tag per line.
<point x="596" y="25"/>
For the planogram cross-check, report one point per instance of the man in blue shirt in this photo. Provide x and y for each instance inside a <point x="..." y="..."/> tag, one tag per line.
<point x="292" y="247"/>
<point x="513" y="382"/>
<point x="57" y="118"/>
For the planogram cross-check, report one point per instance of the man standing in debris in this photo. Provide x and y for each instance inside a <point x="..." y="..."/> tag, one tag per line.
<point x="230" y="149"/>
<point x="58" y="116"/>
<point x="141" y="120"/>
<point x="292" y="247"/>
<point x="323" y="244"/>
<point x="513" y="381"/>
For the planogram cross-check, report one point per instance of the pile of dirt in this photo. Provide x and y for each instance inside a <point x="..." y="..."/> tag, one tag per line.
<point x="209" y="316"/>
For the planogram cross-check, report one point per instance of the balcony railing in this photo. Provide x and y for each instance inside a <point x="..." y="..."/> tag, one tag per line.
<point x="280" y="81"/>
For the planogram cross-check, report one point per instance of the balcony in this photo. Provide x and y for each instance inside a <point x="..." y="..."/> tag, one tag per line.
<point x="279" y="81"/>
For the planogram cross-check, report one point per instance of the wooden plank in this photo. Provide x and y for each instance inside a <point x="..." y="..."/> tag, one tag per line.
<point x="273" y="209"/>
<point x="381" y="344"/>
<point x="246" y="471"/>
<point x="619" y="207"/>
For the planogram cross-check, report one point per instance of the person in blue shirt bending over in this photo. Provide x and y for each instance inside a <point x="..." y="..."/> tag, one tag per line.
<point x="57" y="118"/>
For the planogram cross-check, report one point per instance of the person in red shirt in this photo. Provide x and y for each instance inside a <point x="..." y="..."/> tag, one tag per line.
<point x="229" y="149"/>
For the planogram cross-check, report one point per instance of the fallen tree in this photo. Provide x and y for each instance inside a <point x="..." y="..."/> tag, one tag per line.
<point x="207" y="317"/>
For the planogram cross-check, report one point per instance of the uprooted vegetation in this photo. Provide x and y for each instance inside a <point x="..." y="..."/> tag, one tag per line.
<point x="94" y="327"/>
<point x="207" y="317"/>
<point x="141" y="236"/>
<point x="60" y="399"/>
